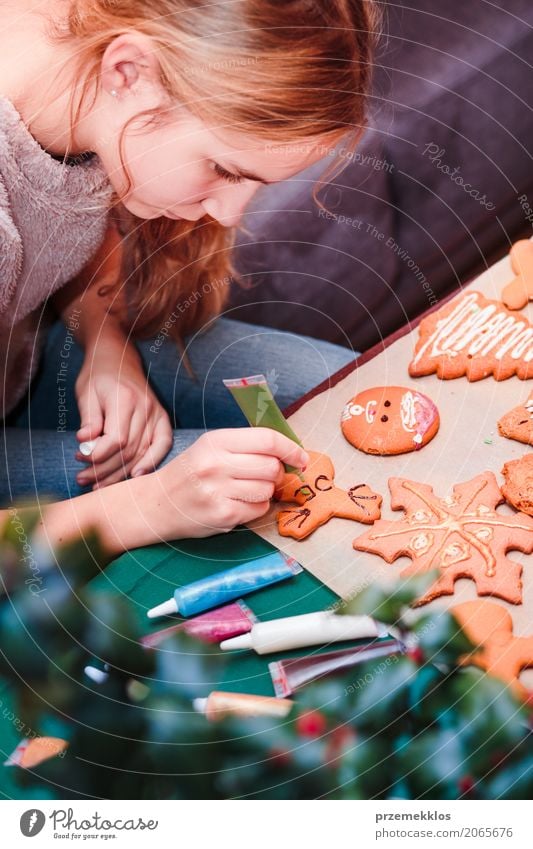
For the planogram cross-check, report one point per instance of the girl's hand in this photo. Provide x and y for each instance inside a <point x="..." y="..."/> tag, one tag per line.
<point x="119" y="410"/>
<point x="225" y="479"/>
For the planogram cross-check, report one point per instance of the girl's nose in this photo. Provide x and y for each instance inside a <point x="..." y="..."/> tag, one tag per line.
<point x="227" y="204"/>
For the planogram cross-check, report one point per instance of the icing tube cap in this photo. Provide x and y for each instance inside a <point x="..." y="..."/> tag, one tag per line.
<point x="166" y="608"/>
<point x="243" y="641"/>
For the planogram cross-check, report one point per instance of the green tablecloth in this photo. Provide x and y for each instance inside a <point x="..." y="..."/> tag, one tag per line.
<point x="149" y="575"/>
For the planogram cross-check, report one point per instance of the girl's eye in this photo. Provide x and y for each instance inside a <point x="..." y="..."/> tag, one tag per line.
<point x="227" y="175"/>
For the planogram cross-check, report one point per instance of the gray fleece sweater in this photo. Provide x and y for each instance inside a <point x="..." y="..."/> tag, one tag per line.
<point x="53" y="218"/>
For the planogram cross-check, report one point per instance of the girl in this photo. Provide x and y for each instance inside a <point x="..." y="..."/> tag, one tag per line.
<point x="133" y="134"/>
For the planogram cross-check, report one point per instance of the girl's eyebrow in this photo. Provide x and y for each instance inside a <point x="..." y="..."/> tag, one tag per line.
<point x="248" y="175"/>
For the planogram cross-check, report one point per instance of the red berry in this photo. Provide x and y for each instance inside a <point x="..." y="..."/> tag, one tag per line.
<point x="339" y="739"/>
<point x="311" y="724"/>
<point x="466" y="784"/>
<point x="280" y="758"/>
<point x="417" y="655"/>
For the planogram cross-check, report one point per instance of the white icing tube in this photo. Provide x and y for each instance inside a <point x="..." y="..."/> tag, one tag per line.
<point x="309" y="629"/>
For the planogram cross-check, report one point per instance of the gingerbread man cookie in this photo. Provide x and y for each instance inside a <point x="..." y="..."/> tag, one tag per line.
<point x="518" y="486"/>
<point x="476" y="337"/>
<point x="318" y="500"/>
<point x="520" y="290"/>
<point x="389" y="420"/>
<point x="518" y="422"/>
<point x="501" y="654"/>
<point x="462" y="535"/>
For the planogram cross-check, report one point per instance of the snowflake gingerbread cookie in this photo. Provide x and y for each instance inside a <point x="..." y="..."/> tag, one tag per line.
<point x="318" y="500"/>
<point x="462" y="535"/>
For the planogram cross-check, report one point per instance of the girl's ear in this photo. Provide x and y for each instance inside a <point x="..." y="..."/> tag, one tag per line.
<point x="128" y="61"/>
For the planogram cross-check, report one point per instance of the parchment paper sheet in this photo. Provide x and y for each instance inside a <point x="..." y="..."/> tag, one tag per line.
<point x="469" y="413"/>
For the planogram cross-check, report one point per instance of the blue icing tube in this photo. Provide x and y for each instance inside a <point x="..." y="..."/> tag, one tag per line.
<point x="225" y="586"/>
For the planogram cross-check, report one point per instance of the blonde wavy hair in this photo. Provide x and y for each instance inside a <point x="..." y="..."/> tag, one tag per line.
<point x="287" y="71"/>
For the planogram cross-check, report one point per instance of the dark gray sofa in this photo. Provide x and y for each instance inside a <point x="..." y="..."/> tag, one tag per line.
<point x="440" y="185"/>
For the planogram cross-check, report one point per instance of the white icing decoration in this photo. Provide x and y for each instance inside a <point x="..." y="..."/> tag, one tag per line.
<point x="480" y="330"/>
<point x="421" y="543"/>
<point x="421" y="516"/>
<point x="408" y="412"/>
<point x="484" y="534"/>
<point x="454" y="553"/>
<point x="370" y="412"/>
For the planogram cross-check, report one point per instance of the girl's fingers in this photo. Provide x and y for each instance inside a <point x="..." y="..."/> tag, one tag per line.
<point x="248" y="511"/>
<point x="254" y="467"/>
<point x="161" y="444"/>
<point x="251" y="492"/>
<point x="100" y="473"/>
<point x="115" y="438"/>
<point x="260" y="440"/>
<point x="146" y="458"/>
<point x="92" y="417"/>
<point x="105" y="462"/>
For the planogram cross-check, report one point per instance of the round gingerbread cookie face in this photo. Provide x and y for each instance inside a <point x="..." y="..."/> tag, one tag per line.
<point x="389" y="420"/>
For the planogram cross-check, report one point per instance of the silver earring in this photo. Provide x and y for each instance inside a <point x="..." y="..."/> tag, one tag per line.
<point x="113" y="92"/>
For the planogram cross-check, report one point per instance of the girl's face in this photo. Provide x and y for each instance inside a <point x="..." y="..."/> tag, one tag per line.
<point x="184" y="169"/>
<point x="181" y="168"/>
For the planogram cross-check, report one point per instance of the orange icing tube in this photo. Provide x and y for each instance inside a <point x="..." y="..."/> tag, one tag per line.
<point x="219" y="705"/>
<point x="31" y="753"/>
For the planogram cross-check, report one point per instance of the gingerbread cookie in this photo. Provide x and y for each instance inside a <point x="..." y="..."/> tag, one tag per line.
<point x="518" y="422"/>
<point x="318" y="500"/>
<point x="518" y="486"/>
<point x="462" y="535"/>
<point x="520" y="290"/>
<point x="389" y="420"/>
<point x="501" y="654"/>
<point x="476" y="337"/>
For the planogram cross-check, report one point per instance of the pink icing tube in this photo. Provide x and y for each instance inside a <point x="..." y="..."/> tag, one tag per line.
<point x="231" y="620"/>
<point x="290" y="675"/>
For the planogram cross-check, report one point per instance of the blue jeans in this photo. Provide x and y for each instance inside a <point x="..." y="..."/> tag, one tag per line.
<point x="40" y="435"/>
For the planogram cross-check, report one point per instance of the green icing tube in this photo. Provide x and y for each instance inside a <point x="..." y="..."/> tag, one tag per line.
<point x="254" y="397"/>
